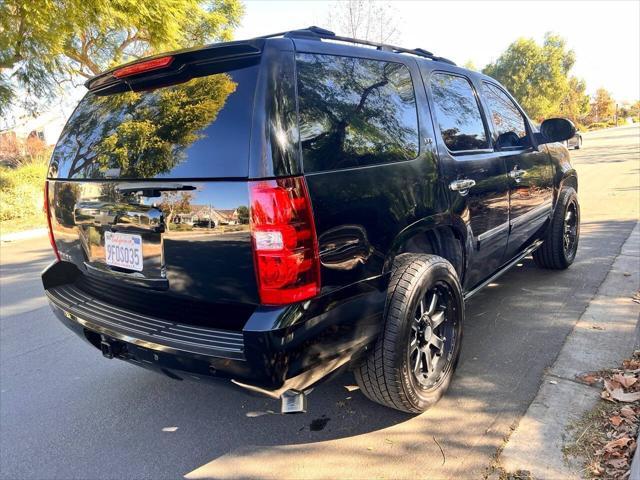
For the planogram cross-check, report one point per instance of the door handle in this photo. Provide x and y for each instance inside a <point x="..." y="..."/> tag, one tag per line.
<point x="462" y="186"/>
<point x="517" y="174"/>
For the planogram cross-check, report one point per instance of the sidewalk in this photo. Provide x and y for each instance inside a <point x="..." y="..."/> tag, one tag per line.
<point x="605" y="334"/>
<point x="23" y="235"/>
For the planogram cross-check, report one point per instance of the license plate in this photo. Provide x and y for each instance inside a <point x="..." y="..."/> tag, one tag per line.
<point x="123" y="250"/>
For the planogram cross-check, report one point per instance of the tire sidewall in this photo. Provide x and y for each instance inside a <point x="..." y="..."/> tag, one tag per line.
<point x="440" y="272"/>
<point x="569" y="196"/>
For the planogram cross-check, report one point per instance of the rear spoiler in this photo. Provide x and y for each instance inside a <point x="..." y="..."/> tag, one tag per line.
<point x="172" y="66"/>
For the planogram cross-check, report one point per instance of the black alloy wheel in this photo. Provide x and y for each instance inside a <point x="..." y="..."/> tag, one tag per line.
<point x="432" y="338"/>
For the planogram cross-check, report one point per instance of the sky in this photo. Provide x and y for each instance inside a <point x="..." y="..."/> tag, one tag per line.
<point x="605" y="35"/>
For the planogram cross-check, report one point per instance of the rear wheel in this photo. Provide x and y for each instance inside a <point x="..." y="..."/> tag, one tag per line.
<point x="561" y="243"/>
<point x="579" y="143"/>
<point x="413" y="361"/>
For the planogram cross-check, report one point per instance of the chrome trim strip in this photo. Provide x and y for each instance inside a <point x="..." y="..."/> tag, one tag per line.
<point x="504" y="269"/>
<point x="494" y="231"/>
<point x="536" y="212"/>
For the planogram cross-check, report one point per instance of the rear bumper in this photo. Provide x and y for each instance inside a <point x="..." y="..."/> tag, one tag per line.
<point x="278" y="349"/>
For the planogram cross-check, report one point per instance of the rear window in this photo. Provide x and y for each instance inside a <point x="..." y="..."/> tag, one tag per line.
<point x="458" y="113"/>
<point x="355" y="112"/>
<point x="197" y="129"/>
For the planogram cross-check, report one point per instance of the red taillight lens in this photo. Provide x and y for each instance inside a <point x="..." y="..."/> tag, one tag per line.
<point x="284" y="241"/>
<point x="142" y="67"/>
<point x="47" y="212"/>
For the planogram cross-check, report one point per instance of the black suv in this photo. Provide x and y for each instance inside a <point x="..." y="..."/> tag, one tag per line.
<point x="269" y="211"/>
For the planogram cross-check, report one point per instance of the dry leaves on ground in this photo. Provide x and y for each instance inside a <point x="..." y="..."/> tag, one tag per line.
<point x="613" y="446"/>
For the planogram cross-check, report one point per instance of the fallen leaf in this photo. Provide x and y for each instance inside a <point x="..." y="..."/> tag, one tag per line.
<point x="619" y="395"/>
<point x="597" y="327"/>
<point x="616" y="420"/>
<point x="588" y="378"/>
<point x="596" y="469"/>
<point x="614" y="389"/>
<point x="627" y="274"/>
<point x="631" y="364"/>
<point x="625" y="380"/>
<point x="618" y="463"/>
<point x="611" y="385"/>
<point x="553" y="382"/>
<point x="627" y="412"/>
<point x="615" y="444"/>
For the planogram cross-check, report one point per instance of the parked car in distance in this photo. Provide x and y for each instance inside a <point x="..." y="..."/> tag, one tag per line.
<point x="368" y="193"/>
<point x="574" y="142"/>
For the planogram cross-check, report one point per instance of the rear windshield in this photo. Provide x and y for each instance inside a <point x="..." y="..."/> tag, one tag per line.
<point x="197" y="129"/>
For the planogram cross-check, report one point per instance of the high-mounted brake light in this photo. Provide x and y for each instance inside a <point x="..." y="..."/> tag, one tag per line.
<point x="47" y="211"/>
<point x="284" y="241"/>
<point x="142" y="67"/>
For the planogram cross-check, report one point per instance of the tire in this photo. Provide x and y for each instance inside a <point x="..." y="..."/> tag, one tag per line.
<point x="556" y="253"/>
<point x="578" y="143"/>
<point x="396" y="372"/>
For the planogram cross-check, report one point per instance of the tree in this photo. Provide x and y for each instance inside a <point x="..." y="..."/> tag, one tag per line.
<point x="44" y="43"/>
<point x="174" y="203"/>
<point x="575" y="104"/>
<point x="470" y="65"/>
<point x="141" y="134"/>
<point x="634" y="111"/>
<point x="243" y="215"/>
<point x="603" y="107"/>
<point x="365" y="20"/>
<point x="536" y="75"/>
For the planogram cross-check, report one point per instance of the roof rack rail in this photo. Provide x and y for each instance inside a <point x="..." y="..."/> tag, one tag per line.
<point x="317" y="33"/>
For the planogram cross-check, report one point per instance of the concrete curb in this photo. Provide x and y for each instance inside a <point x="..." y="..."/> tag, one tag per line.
<point x="604" y="335"/>
<point x="24" y="235"/>
<point x="635" y="463"/>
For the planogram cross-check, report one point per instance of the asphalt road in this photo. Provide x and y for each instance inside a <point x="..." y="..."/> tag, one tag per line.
<point x="67" y="412"/>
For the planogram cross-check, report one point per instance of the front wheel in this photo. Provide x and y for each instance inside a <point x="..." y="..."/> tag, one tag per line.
<point x="413" y="360"/>
<point x="561" y="242"/>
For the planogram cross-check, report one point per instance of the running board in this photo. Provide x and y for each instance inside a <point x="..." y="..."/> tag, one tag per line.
<point x="528" y="251"/>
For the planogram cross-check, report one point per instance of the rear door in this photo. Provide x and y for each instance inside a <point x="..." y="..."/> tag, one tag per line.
<point x="476" y="175"/>
<point x="528" y="167"/>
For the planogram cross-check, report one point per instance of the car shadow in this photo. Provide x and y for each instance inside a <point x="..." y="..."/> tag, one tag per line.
<point x="131" y="422"/>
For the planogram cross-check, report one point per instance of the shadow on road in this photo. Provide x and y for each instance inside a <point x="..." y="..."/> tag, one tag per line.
<point x="108" y="416"/>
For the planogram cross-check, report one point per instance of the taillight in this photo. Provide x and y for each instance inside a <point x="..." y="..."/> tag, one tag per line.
<point x="47" y="212"/>
<point x="142" y="67"/>
<point x="284" y="241"/>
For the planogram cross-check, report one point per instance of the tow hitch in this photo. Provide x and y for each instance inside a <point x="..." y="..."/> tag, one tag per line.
<point x="110" y="348"/>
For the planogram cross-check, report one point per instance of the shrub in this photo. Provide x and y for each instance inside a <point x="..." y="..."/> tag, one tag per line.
<point x="597" y="126"/>
<point x="22" y="190"/>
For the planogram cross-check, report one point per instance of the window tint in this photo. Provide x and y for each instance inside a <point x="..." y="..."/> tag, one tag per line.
<point x="457" y="113"/>
<point x="507" y="119"/>
<point x="355" y="112"/>
<point x="199" y="128"/>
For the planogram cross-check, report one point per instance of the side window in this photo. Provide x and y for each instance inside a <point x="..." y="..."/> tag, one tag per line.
<point x="458" y="113"/>
<point x="355" y="112"/>
<point x="507" y="119"/>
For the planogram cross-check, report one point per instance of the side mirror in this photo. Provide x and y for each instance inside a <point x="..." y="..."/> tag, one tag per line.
<point x="557" y="130"/>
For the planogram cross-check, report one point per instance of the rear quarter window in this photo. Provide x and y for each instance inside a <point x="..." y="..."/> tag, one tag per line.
<point x="355" y="112"/>
<point x="197" y="129"/>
